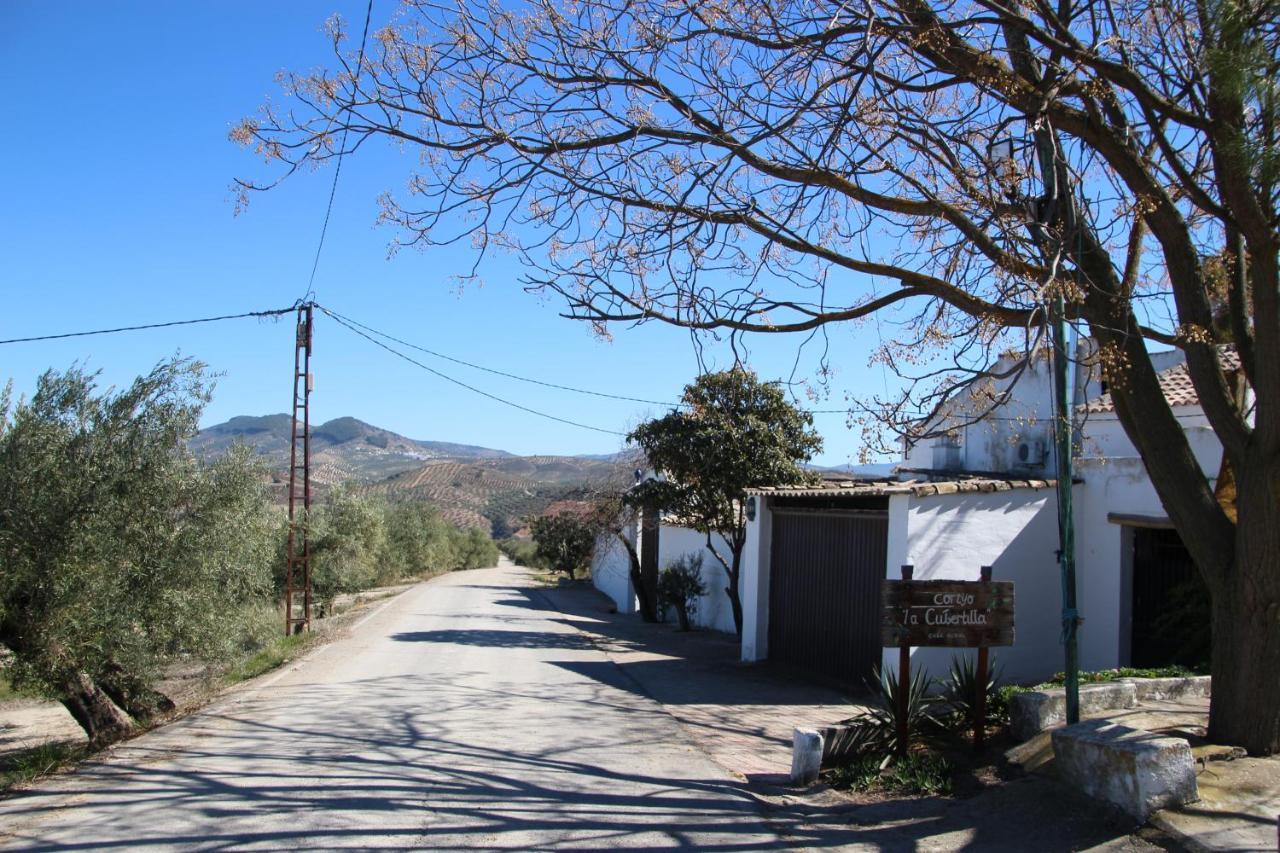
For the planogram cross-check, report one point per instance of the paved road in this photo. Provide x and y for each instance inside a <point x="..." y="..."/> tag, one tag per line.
<point x="461" y="715"/>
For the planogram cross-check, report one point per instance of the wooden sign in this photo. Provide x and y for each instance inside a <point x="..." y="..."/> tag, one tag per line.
<point x="946" y="613"/>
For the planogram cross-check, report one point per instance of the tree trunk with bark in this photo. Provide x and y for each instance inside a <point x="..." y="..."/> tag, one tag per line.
<point x="1245" y="710"/>
<point x="648" y="607"/>
<point x="137" y="698"/>
<point x="734" y="570"/>
<point x="102" y="720"/>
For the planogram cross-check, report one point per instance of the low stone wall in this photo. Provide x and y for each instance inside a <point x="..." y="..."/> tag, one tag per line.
<point x="1038" y="710"/>
<point x="1139" y="771"/>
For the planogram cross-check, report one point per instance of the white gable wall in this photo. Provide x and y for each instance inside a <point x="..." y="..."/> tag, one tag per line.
<point x="950" y="537"/>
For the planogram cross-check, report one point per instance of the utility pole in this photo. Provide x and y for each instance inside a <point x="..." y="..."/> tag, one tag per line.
<point x="1049" y="213"/>
<point x="297" y="575"/>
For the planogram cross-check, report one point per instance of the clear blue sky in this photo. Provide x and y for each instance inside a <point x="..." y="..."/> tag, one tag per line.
<point x="116" y="210"/>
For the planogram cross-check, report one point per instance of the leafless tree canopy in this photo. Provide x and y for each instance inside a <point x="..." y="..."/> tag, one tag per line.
<point x="753" y="166"/>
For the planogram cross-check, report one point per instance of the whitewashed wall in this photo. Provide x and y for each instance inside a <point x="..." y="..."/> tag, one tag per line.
<point x="953" y="536"/>
<point x="1117" y="484"/>
<point x="714" y="611"/>
<point x="611" y="571"/>
<point x="755" y="582"/>
<point x="992" y="444"/>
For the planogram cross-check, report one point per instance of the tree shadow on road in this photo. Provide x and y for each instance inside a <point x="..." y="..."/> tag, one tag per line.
<point x="497" y="638"/>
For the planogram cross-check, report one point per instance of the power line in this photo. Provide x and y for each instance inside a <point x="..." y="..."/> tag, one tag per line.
<point x="342" y="322"/>
<point x="335" y="315"/>
<point x="342" y="148"/>
<point x="272" y="313"/>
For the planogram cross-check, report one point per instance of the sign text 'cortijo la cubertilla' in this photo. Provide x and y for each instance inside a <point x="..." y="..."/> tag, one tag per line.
<point x="947" y="613"/>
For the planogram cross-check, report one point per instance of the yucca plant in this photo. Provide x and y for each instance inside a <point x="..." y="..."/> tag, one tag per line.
<point x="959" y="692"/>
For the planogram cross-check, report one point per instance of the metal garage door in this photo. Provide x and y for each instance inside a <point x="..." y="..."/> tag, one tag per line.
<point x="824" y="591"/>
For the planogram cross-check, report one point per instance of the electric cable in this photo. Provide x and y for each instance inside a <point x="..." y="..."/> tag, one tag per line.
<point x="276" y="312"/>
<point x="342" y="149"/>
<point x="462" y="384"/>
<point x="335" y="315"/>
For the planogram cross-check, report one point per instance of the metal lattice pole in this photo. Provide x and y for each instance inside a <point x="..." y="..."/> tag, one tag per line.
<point x="297" y="577"/>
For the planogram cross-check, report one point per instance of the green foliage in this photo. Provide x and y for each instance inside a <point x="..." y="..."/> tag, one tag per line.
<point x="418" y="542"/>
<point x="874" y="733"/>
<point x="920" y="773"/>
<point x="28" y="765"/>
<point x="1105" y="675"/>
<point x="680" y="585"/>
<point x="734" y="432"/>
<point x="280" y="650"/>
<point x="120" y="550"/>
<point x="523" y="552"/>
<point x="348" y="542"/>
<point x="474" y="549"/>
<point x="960" y="688"/>
<point x="358" y="542"/>
<point x="564" y="540"/>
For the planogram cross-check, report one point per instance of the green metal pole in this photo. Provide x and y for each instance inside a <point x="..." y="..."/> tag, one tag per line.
<point x="1062" y="399"/>
<point x="1066" y="525"/>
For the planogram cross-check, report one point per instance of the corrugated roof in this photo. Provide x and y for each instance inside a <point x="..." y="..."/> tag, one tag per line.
<point x="1174" y="382"/>
<point x="881" y="488"/>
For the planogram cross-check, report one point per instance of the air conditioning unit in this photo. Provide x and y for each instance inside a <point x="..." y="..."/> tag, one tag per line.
<point x="1031" y="453"/>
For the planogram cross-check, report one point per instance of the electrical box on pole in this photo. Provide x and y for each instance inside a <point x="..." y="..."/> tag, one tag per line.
<point x="297" y="576"/>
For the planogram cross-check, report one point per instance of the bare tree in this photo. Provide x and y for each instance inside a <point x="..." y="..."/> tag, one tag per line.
<point x="777" y="167"/>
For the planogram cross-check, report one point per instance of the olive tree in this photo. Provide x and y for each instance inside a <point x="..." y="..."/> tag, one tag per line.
<point x="732" y="432"/>
<point x="950" y="167"/>
<point x="118" y="550"/>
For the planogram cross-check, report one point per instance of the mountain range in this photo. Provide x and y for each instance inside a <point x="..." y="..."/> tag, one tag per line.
<point x="472" y="486"/>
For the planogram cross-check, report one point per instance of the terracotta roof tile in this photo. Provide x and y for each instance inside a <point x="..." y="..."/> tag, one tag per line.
<point x="1175" y="382"/>
<point x="917" y="488"/>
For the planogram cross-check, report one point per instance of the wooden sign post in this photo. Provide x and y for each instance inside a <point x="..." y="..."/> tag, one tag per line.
<point x="947" y="613"/>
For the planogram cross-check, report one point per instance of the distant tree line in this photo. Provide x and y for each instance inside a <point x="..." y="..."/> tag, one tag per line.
<point x="121" y="554"/>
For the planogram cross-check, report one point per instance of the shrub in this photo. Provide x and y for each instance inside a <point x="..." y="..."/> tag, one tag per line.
<point x="679" y="587"/>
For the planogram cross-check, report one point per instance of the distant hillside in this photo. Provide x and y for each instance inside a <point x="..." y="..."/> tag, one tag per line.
<point x="342" y="450"/>
<point x="472" y="486"/>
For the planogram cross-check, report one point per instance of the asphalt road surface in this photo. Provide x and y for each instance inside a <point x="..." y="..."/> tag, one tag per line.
<point x="460" y="715"/>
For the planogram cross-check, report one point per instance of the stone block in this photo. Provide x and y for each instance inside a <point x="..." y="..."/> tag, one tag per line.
<point x="1138" y="771"/>
<point x="1033" y="712"/>
<point x="806" y="756"/>
<point x="1163" y="689"/>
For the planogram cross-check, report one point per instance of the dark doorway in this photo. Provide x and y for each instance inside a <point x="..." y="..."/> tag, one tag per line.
<point x="824" y="592"/>
<point x="1170" y="617"/>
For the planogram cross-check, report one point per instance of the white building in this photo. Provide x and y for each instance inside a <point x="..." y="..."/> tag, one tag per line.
<point x="982" y="495"/>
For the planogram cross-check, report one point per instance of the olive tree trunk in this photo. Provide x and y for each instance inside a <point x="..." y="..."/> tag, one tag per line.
<point x="102" y="720"/>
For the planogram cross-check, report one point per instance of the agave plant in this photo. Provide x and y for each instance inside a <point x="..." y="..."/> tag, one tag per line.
<point x="874" y="732"/>
<point x="960" y="691"/>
